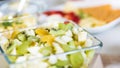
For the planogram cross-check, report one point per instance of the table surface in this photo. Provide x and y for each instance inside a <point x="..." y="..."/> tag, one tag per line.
<point x="111" y="40"/>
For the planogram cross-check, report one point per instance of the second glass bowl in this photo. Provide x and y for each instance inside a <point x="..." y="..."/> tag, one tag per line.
<point x="23" y="21"/>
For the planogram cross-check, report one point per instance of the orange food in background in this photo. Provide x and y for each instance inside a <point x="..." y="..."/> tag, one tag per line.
<point x="103" y="13"/>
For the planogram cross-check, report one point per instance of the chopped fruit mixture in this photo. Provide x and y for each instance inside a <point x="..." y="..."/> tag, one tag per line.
<point x="43" y="42"/>
<point x="10" y="23"/>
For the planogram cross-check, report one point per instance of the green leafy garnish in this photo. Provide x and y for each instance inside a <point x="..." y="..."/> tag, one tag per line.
<point x="6" y="24"/>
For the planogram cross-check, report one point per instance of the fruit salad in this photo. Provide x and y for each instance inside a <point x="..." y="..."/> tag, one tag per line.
<point x="49" y="42"/>
<point x="79" y="17"/>
<point x="22" y="21"/>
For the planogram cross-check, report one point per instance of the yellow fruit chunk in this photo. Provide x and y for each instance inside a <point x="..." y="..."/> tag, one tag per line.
<point x="33" y="43"/>
<point x="41" y="32"/>
<point x="76" y="43"/>
<point x="14" y="34"/>
<point x="49" y="39"/>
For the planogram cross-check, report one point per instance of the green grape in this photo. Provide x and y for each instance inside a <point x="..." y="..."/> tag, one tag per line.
<point x="76" y="60"/>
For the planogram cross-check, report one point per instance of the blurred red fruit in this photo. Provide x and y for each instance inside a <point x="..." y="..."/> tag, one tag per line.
<point x="54" y="12"/>
<point x="73" y="17"/>
<point x="70" y="16"/>
<point x="66" y="22"/>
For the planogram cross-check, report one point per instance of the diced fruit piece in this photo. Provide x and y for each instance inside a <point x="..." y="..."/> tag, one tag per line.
<point x="33" y="43"/>
<point x="12" y="58"/>
<point x="49" y="39"/>
<point x="30" y="33"/>
<point x="10" y="48"/>
<point x="60" y="67"/>
<point x="54" y="12"/>
<point x="69" y="17"/>
<point x="57" y="48"/>
<point x="52" y="59"/>
<point x="76" y="43"/>
<point x="69" y="33"/>
<point x="75" y="30"/>
<point x="13" y="45"/>
<point x="53" y="67"/>
<point x="90" y="53"/>
<point x="21" y="59"/>
<point x="57" y="32"/>
<point x="71" y="13"/>
<point x="16" y="42"/>
<point x="65" y="27"/>
<point x="61" y="26"/>
<point x="83" y="15"/>
<point x="66" y="39"/>
<point x="33" y="38"/>
<point x="68" y="47"/>
<point x="13" y="52"/>
<point x="21" y="37"/>
<point x="88" y="42"/>
<point x="76" y="60"/>
<point x="82" y="36"/>
<point x="14" y="34"/>
<point x="69" y="26"/>
<point x="41" y="32"/>
<point x="66" y="22"/>
<point x="75" y="37"/>
<point x="34" y="50"/>
<point x="62" y="63"/>
<point x="59" y="40"/>
<point x="22" y="49"/>
<point x="47" y="13"/>
<point x="46" y="50"/>
<point x="76" y="19"/>
<point x="71" y="43"/>
<point x="62" y="57"/>
<point x="72" y="16"/>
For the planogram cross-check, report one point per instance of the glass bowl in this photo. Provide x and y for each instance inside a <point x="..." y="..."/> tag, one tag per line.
<point x="11" y="7"/>
<point x="80" y="57"/>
